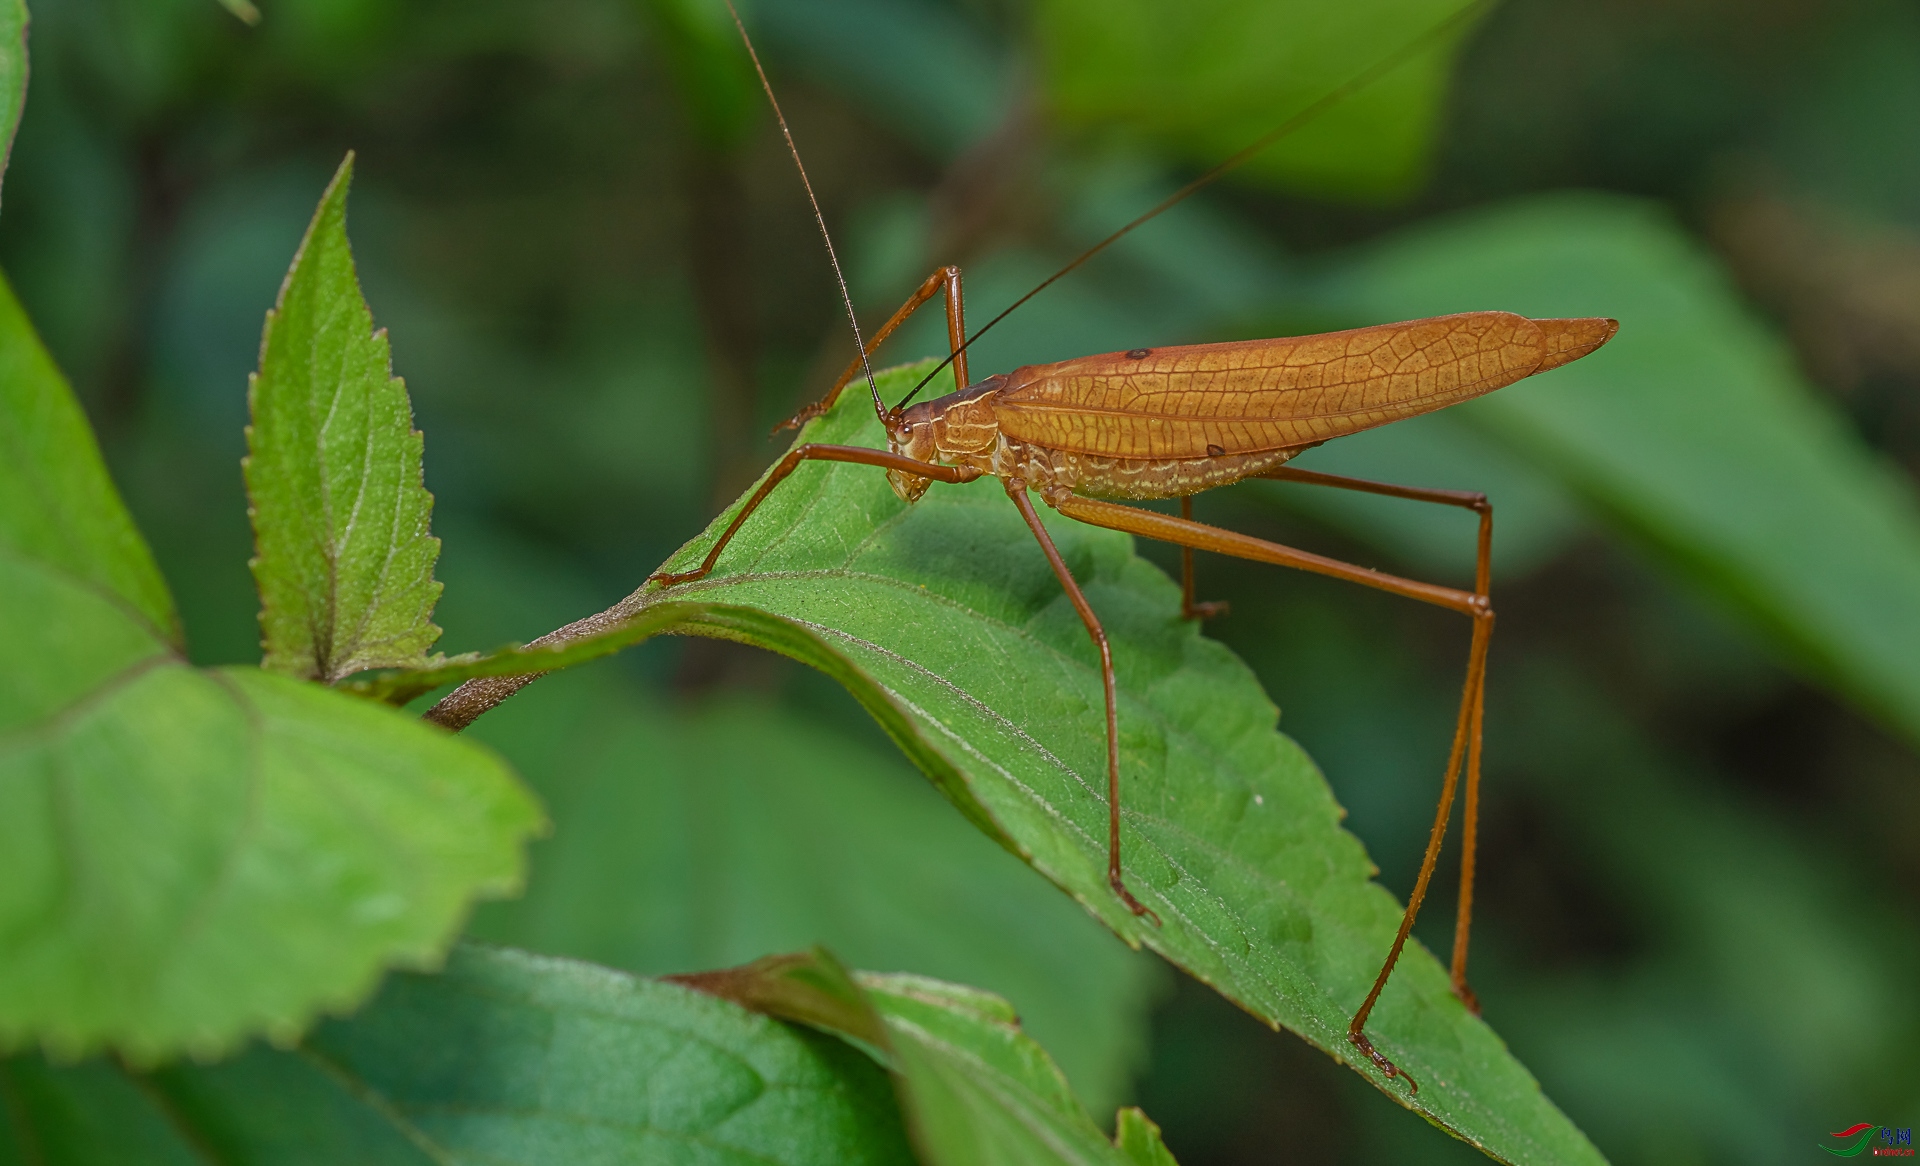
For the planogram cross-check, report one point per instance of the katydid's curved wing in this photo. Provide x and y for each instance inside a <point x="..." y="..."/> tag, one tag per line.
<point x="1247" y="396"/>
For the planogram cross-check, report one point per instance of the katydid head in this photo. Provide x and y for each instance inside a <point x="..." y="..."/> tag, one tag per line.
<point x="957" y="429"/>
<point x="910" y="433"/>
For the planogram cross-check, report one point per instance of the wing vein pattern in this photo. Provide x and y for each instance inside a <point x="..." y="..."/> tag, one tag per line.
<point x="1210" y="400"/>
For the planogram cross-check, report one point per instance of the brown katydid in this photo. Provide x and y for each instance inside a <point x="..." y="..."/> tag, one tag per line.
<point x="1170" y="422"/>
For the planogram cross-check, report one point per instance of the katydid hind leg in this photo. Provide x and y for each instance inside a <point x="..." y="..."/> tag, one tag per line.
<point x="1465" y="744"/>
<point x="1482" y="583"/>
<point x="1017" y="490"/>
<point x="1465" y="747"/>
<point x="1469" y="830"/>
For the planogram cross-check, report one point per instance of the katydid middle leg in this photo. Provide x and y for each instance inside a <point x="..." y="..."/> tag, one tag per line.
<point x="1017" y="490"/>
<point x="1189" y="607"/>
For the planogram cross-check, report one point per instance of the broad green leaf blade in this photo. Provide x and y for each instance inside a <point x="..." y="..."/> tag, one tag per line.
<point x="194" y="856"/>
<point x="975" y="1089"/>
<point x="703" y="834"/>
<point x="945" y="621"/>
<point x="13" y="74"/>
<point x="1691" y="428"/>
<point x="505" y="1058"/>
<point x="340" y="515"/>
<point x="1208" y="79"/>
<point x="190" y="856"/>
<point x="57" y="505"/>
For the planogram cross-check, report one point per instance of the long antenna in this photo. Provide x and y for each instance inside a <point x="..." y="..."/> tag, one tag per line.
<point x="859" y="342"/>
<point x="1365" y="78"/>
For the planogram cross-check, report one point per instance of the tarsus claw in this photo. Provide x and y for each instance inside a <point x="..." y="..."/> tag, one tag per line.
<point x="1392" y="1070"/>
<point x="1133" y="904"/>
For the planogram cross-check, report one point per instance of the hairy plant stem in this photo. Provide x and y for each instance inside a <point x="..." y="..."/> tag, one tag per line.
<point x="463" y="705"/>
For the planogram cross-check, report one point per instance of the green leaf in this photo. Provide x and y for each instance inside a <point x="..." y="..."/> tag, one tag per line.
<point x="57" y="505"/>
<point x="91" y="1114"/>
<point x="13" y="73"/>
<point x="189" y="856"/>
<point x="1206" y="80"/>
<point x="340" y="517"/>
<point x="810" y="987"/>
<point x="703" y="834"/>
<point x="1692" y="428"/>
<point x="978" y="1089"/>
<point x="975" y="1088"/>
<point x="945" y="621"/>
<point x="505" y="1058"/>
<point x="192" y="856"/>
<point x="709" y="66"/>
<point x="1139" y="1139"/>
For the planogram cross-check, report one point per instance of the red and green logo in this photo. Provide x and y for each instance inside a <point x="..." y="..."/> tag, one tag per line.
<point x="1877" y="1141"/>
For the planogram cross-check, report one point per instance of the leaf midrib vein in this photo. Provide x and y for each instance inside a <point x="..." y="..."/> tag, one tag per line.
<point x="1047" y="805"/>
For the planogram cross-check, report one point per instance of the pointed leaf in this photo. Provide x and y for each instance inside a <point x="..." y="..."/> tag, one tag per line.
<point x="188" y="856"/>
<point x="340" y="514"/>
<point x="945" y="621"/>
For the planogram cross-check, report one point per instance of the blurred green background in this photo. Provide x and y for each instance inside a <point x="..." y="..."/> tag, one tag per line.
<point x="1700" y="882"/>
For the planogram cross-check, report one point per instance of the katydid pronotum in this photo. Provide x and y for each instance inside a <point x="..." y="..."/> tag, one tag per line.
<point x="1171" y="422"/>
